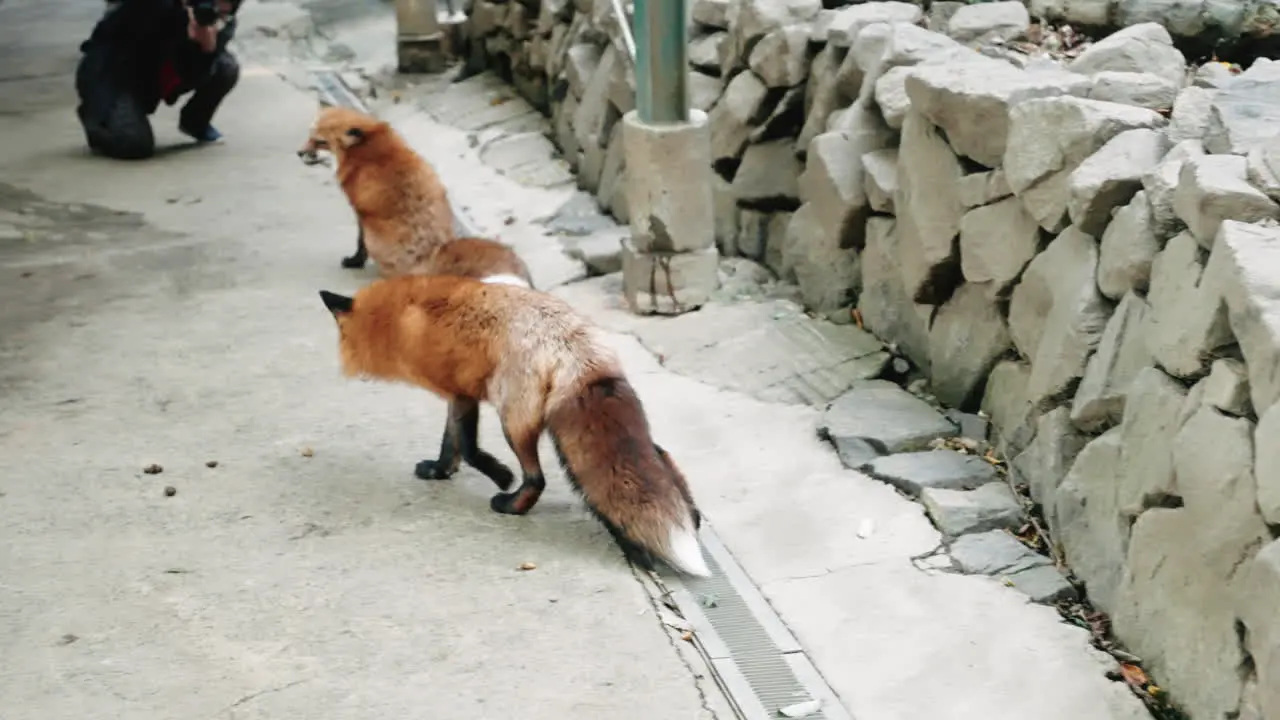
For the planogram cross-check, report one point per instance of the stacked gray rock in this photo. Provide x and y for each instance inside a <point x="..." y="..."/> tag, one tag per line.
<point x="1195" y="20"/>
<point x="881" y="429"/>
<point x="1086" y="250"/>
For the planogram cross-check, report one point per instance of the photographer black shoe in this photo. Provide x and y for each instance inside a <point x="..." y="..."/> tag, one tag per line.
<point x="206" y="135"/>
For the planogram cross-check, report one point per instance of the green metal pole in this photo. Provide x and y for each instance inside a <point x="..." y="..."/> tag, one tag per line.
<point x="662" y="61"/>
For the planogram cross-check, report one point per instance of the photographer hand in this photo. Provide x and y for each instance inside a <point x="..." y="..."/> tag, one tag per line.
<point x="205" y="37"/>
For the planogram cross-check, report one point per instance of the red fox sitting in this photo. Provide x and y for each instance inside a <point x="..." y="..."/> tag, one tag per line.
<point x="542" y="366"/>
<point x="406" y="223"/>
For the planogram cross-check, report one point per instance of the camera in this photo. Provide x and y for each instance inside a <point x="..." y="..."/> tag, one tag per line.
<point x="205" y="12"/>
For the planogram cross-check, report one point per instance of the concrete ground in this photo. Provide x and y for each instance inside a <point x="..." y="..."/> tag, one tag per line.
<point x="166" y="313"/>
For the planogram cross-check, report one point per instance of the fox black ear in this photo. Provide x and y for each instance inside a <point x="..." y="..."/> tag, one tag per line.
<point x="355" y="134"/>
<point x="337" y="304"/>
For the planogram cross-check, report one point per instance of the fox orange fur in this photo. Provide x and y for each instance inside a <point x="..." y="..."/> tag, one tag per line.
<point x="406" y="222"/>
<point x="542" y="366"/>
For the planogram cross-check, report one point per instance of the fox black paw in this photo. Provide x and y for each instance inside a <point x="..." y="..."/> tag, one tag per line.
<point x="355" y="262"/>
<point x="432" y="470"/>
<point x="505" y="503"/>
<point x="500" y="474"/>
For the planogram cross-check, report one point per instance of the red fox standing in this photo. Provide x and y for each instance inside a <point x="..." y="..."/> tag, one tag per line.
<point x="542" y="366"/>
<point x="406" y="223"/>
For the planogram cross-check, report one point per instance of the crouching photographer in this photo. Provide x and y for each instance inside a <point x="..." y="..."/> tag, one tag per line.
<point x="145" y="51"/>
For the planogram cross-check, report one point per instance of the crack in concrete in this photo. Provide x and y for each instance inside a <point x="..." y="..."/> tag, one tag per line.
<point x="838" y="568"/>
<point x="230" y="710"/>
<point x="653" y="589"/>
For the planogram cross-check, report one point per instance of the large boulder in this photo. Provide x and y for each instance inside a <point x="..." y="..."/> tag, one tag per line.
<point x="1050" y="137"/>
<point x="1146" y="47"/>
<point x="971" y="101"/>
<point x="1057" y="314"/>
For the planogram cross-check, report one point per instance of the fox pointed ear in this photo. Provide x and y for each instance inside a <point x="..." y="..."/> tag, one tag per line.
<point x="337" y="304"/>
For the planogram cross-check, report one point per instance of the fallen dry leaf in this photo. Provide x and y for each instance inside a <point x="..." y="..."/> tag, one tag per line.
<point x="527" y="566"/>
<point x="1134" y="675"/>
<point x="687" y="637"/>
<point x="499" y="100"/>
<point x="308" y="452"/>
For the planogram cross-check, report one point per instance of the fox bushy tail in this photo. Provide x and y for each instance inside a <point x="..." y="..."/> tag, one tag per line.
<point x="602" y="438"/>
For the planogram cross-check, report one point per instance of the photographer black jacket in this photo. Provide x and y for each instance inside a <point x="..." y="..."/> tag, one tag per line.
<point x="139" y="42"/>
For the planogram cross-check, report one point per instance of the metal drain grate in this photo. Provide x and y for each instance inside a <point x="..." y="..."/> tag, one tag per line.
<point x="757" y="661"/>
<point x="333" y="91"/>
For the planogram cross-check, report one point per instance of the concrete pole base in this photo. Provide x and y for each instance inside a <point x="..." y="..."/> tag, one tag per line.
<point x="454" y="30"/>
<point x="668" y="283"/>
<point x="427" y="54"/>
<point x="671" y="264"/>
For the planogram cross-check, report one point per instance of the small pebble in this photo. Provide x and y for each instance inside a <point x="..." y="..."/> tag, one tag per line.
<point x="211" y="464"/>
<point x="170" y="491"/>
<point x="153" y="469"/>
<point x="308" y="452"/>
<point x="528" y="566"/>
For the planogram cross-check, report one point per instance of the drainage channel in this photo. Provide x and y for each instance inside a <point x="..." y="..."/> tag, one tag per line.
<point x="333" y="91"/>
<point x="754" y="657"/>
<point x="755" y="660"/>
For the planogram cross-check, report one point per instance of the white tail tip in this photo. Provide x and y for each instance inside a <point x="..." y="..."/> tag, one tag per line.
<point x="505" y="279"/>
<point x="685" y="552"/>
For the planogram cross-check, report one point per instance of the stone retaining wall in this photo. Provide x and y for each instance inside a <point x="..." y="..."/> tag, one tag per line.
<point x="1087" y="249"/>
<point x="1238" y="25"/>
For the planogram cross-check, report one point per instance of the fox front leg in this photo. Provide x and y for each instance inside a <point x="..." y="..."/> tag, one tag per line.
<point x="357" y="261"/>
<point x="461" y="442"/>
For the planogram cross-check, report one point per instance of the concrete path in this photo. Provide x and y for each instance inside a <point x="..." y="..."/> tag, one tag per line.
<point x="166" y="313"/>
